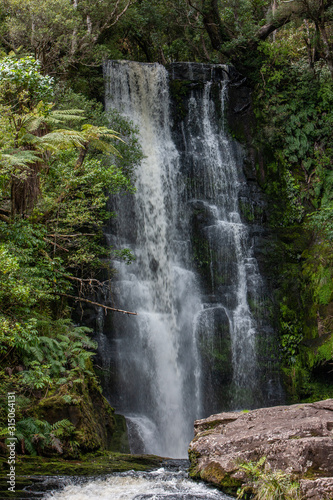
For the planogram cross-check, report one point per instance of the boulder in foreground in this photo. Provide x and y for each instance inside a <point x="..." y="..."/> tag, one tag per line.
<point x="296" y="439"/>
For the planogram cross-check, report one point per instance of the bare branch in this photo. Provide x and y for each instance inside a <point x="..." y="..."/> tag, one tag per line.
<point x="95" y="303"/>
<point x="204" y="48"/>
<point x="269" y="28"/>
<point x="194" y="7"/>
<point x="8" y="44"/>
<point x="109" y="23"/>
<point x="130" y="2"/>
<point x="115" y="9"/>
<point x="85" y="280"/>
<point x="56" y="244"/>
<point x="70" y="235"/>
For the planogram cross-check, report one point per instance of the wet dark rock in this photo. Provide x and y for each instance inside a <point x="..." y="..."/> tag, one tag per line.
<point x="153" y="264"/>
<point x="214" y="249"/>
<point x="197" y="71"/>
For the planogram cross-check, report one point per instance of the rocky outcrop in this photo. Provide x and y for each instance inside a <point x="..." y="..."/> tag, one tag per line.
<point x="296" y="439"/>
<point x="97" y="427"/>
<point x="316" y="489"/>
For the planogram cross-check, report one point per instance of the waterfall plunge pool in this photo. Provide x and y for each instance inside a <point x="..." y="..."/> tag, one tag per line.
<point x="170" y="482"/>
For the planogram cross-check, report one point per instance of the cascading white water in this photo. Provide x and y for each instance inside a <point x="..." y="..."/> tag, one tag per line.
<point x="191" y="350"/>
<point x="214" y="162"/>
<point x="159" y="484"/>
<point x="152" y="347"/>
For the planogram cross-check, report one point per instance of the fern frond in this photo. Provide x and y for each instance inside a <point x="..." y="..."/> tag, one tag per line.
<point x="64" y="115"/>
<point x="52" y="344"/>
<point x="62" y="424"/>
<point x="98" y="137"/>
<point x="29" y="447"/>
<point x="94" y="131"/>
<point x="61" y="139"/>
<point x="18" y="158"/>
<point x="35" y="122"/>
<point x="37" y="352"/>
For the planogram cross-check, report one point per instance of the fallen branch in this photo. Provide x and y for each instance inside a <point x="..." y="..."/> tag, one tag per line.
<point x="70" y="235"/>
<point x="86" y="280"/>
<point x="95" y="303"/>
<point x="243" y="108"/>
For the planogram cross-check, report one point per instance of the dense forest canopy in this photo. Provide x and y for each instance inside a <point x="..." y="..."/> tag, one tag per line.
<point x="60" y="156"/>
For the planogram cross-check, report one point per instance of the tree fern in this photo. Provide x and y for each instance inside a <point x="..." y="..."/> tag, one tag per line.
<point x="98" y="138"/>
<point x="16" y="158"/>
<point x="60" y="139"/>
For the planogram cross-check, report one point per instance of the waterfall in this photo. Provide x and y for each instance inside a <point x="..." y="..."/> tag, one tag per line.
<point x="192" y="348"/>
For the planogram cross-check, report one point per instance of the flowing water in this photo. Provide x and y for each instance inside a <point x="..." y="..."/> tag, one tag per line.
<point x="191" y="350"/>
<point x="214" y="165"/>
<point x="160" y="484"/>
<point x="156" y="352"/>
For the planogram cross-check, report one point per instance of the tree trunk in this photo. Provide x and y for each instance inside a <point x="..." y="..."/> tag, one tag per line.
<point x="24" y="192"/>
<point x="327" y="48"/>
<point x="213" y="24"/>
<point x="310" y="48"/>
<point x="269" y="28"/>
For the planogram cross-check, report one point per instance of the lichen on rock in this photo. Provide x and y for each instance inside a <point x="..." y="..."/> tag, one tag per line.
<point x="295" y="439"/>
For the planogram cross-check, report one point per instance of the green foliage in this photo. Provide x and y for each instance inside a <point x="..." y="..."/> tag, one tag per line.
<point x="242" y="19"/>
<point x="21" y="79"/>
<point x="318" y="269"/>
<point x="35" y="435"/>
<point x="161" y="31"/>
<point x="297" y="114"/>
<point x="325" y="351"/>
<point x="38" y="376"/>
<point x="292" y="333"/>
<point x="54" y="187"/>
<point x="58" y="32"/>
<point x="293" y="106"/>
<point x="267" y="484"/>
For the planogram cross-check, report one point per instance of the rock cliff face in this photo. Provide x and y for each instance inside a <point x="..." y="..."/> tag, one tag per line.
<point x="297" y="439"/>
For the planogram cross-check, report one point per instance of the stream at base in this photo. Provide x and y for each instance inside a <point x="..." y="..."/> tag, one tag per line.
<point x="160" y="484"/>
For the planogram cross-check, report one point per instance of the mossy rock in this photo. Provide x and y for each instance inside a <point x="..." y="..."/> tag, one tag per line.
<point x="179" y="89"/>
<point x="91" y="464"/>
<point x="30" y="469"/>
<point x="213" y="474"/>
<point x="96" y="426"/>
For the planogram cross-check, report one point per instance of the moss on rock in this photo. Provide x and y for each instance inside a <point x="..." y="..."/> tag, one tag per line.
<point x="29" y="469"/>
<point x="88" y="411"/>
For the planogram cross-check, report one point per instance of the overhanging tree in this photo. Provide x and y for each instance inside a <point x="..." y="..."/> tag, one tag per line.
<point x="60" y="33"/>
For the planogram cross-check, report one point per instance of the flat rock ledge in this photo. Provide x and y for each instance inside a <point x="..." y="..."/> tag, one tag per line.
<point x="296" y="439"/>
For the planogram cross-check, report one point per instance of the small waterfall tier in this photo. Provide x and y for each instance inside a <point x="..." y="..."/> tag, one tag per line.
<point x="201" y="341"/>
